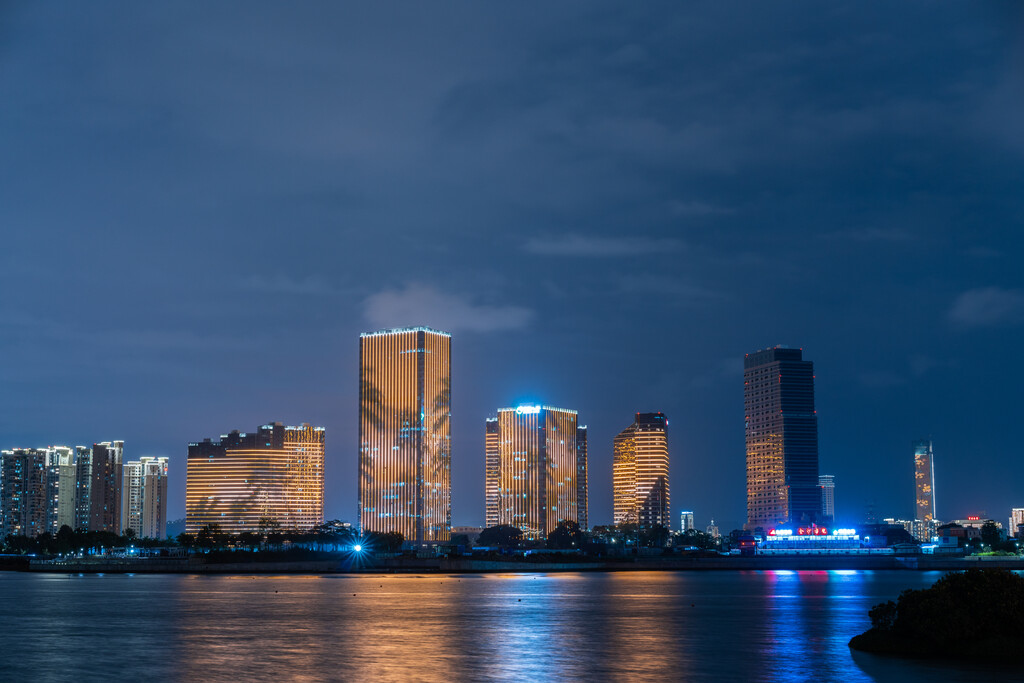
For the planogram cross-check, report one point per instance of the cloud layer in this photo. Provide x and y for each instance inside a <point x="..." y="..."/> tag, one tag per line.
<point x="416" y="305"/>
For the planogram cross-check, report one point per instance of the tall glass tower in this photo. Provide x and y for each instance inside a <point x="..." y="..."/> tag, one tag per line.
<point x="532" y="464"/>
<point x="640" y="472"/>
<point x="924" y="480"/>
<point x="405" y="433"/>
<point x="782" y="438"/>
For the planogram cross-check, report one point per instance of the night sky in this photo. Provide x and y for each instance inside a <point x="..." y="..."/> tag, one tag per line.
<point x="607" y="206"/>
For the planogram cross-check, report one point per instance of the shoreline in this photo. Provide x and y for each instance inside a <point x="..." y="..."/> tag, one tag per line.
<point x="472" y="566"/>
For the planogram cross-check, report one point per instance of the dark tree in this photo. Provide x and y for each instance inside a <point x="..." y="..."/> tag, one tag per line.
<point x="990" y="535"/>
<point x="460" y="539"/>
<point x="566" y="535"/>
<point x="502" y="535"/>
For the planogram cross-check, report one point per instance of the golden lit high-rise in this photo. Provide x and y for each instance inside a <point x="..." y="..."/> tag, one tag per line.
<point x="243" y="480"/>
<point x="781" y="428"/>
<point x="640" y="472"/>
<point x="532" y="460"/>
<point x="405" y="433"/>
<point x="924" y="480"/>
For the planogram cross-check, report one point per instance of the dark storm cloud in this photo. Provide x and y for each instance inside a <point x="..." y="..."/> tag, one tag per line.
<point x="202" y="207"/>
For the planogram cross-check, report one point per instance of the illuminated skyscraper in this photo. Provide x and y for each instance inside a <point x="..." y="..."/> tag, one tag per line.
<point x="144" y="497"/>
<point x="533" y="460"/>
<point x="405" y="433"/>
<point x="782" y="438"/>
<point x="492" y="472"/>
<point x="924" y="479"/>
<point x="686" y="521"/>
<point x="582" y="491"/>
<point x="640" y="472"/>
<point x="244" y="480"/>
<point x="827" y="484"/>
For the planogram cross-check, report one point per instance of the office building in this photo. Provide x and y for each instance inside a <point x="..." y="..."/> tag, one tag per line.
<point x="532" y="465"/>
<point x="686" y="521"/>
<point x="640" y="472"/>
<point x="827" y="484"/>
<point x="144" y="497"/>
<point x="1016" y="527"/>
<point x="248" y="481"/>
<point x="582" y="492"/>
<point x="924" y="479"/>
<point x="781" y="439"/>
<point x="405" y="434"/>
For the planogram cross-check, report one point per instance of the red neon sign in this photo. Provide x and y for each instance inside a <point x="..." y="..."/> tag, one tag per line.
<point x="973" y="519"/>
<point x="812" y="531"/>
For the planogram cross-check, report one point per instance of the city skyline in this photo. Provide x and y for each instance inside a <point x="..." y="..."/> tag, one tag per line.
<point x="595" y="201"/>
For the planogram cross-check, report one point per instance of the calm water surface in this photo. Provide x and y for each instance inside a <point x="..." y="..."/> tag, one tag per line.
<point x="701" y="626"/>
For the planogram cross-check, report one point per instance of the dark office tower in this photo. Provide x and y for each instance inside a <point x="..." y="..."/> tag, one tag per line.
<point x="924" y="480"/>
<point x="782" y="438"/>
<point x="83" y="487"/>
<point x="640" y="472"/>
<point x="105" y="489"/>
<point x="582" y="508"/>
<point x="405" y="479"/>
<point x="24" y="509"/>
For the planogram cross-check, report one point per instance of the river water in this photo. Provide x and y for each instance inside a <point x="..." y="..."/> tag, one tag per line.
<point x="650" y="626"/>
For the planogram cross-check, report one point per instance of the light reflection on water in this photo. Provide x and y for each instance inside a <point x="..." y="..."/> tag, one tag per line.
<point x="602" y="626"/>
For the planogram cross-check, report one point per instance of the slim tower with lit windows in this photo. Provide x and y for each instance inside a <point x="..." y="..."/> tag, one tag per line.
<point x="924" y="480"/>
<point x="144" y="497"/>
<point x="492" y="470"/>
<point x="535" y="454"/>
<point x="782" y="438"/>
<point x="247" y="481"/>
<point x="405" y="433"/>
<point x="827" y="484"/>
<point x="582" y="484"/>
<point x="640" y="472"/>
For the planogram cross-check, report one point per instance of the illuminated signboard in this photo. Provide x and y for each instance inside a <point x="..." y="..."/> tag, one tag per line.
<point x="974" y="518"/>
<point x="527" y="410"/>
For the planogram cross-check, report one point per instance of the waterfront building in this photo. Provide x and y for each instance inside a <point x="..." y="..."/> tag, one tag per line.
<point x="24" y="506"/>
<point x="1016" y="527"/>
<point x="781" y="438"/>
<point x="144" y="497"/>
<point x="248" y="481"/>
<point x="582" y="492"/>
<point x="924" y="479"/>
<point x="61" y="462"/>
<point x="686" y="521"/>
<point x="105" y="486"/>
<point x="640" y="472"/>
<point x="492" y="472"/>
<point x="405" y="434"/>
<point x="532" y="464"/>
<point x="827" y="484"/>
<point x="923" y="530"/>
